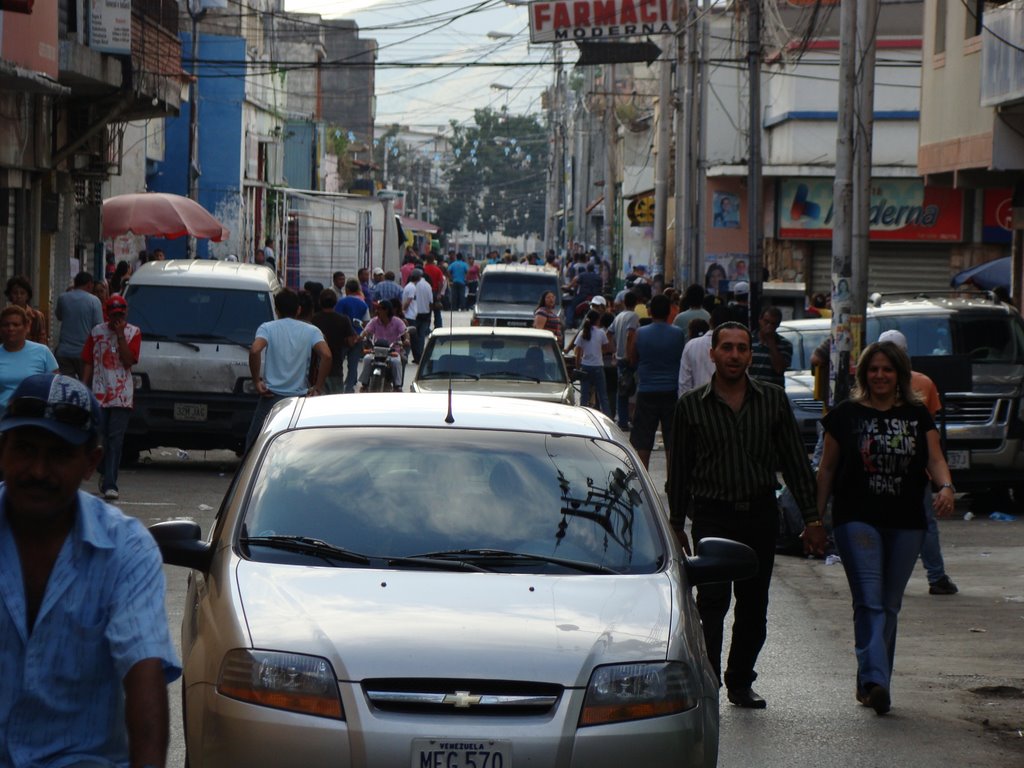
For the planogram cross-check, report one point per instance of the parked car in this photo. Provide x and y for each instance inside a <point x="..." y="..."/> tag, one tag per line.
<point x="973" y="347"/>
<point x="508" y="362"/>
<point x="805" y="336"/>
<point x="399" y="580"/>
<point x="508" y="294"/>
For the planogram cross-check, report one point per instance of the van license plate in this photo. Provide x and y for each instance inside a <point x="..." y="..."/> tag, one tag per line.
<point x="958" y="459"/>
<point x="453" y="753"/>
<point x="190" y="412"/>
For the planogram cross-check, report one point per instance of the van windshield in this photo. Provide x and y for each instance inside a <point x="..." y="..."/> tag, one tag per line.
<point x="178" y="313"/>
<point x="516" y="289"/>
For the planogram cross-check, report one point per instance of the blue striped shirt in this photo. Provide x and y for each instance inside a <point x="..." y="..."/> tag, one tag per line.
<point x="61" y="696"/>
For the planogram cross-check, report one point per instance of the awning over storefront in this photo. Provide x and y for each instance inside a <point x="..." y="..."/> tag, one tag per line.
<point x="418" y="225"/>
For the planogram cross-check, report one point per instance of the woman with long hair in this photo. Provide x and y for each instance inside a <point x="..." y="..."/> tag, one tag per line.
<point x="881" y="448"/>
<point x="546" y="317"/>
<point x="590" y="344"/>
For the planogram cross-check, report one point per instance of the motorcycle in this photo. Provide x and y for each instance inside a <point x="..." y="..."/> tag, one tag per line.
<point x="381" y="378"/>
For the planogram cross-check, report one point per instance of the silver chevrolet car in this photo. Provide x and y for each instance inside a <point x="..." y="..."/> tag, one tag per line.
<point x="474" y="582"/>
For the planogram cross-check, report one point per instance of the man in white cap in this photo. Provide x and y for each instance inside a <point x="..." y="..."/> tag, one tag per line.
<point x="739" y="307"/>
<point x="931" y="550"/>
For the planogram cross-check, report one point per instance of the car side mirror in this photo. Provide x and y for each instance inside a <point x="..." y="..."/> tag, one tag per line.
<point x="720" y="560"/>
<point x="180" y="544"/>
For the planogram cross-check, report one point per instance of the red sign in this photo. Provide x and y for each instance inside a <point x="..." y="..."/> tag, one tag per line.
<point x="901" y="210"/>
<point x="997" y="216"/>
<point x="554" y="20"/>
<point x="30" y="41"/>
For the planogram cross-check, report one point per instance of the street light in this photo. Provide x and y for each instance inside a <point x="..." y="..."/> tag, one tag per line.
<point x="501" y="36"/>
<point x="502" y="87"/>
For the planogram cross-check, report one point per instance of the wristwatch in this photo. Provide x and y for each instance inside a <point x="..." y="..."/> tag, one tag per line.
<point x="814" y="524"/>
<point x="946" y="485"/>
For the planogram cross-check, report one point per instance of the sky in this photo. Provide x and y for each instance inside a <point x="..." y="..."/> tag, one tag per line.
<point x="417" y="32"/>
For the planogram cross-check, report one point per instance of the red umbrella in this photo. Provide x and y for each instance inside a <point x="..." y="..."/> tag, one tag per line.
<point x="161" y="215"/>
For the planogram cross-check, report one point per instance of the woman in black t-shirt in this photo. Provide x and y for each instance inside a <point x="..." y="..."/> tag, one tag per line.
<point x="881" y="448"/>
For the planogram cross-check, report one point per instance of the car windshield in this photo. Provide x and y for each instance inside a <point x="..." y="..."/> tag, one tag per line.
<point x="404" y="492"/>
<point x="508" y="288"/>
<point x="493" y="357"/>
<point x="985" y="337"/>
<point x="804" y="341"/>
<point x="180" y="313"/>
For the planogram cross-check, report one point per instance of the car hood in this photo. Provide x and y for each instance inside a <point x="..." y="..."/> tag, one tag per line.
<point x="192" y="366"/>
<point x="519" y="311"/>
<point x="547" y="391"/>
<point x="799" y="383"/>
<point x="385" y="623"/>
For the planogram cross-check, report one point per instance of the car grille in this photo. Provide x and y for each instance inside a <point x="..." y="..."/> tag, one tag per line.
<point x="461" y="697"/>
<point x="975" y="410"/>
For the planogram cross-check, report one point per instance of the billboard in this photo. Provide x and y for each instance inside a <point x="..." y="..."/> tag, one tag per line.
<point x="553" y="21"/>
<point x="901" y="210"/>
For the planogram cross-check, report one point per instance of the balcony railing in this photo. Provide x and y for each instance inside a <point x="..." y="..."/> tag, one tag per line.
<point x="1002" y="58"/>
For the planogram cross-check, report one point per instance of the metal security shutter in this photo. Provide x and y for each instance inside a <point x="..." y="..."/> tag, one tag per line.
<point x="892" y="269"/>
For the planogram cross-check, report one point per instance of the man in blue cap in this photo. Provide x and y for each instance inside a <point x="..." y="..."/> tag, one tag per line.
<point x="85" y="652"/>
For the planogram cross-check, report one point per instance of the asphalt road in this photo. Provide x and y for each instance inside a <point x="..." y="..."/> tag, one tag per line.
<point x="959" y="685"/>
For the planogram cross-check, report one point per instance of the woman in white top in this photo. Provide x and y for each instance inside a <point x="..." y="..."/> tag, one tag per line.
<point x="591" y="344"/>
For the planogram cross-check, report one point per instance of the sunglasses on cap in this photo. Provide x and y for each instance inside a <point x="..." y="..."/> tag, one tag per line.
<point x="63" y="413"/>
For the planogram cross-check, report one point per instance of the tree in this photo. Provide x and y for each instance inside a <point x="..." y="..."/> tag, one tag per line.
<point x="497" y="174"/>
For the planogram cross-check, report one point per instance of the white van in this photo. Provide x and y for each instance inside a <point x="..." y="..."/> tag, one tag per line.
<point x="192" y="383"/>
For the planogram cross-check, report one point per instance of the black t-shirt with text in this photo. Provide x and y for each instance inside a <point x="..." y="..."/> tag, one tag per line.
<point x="880" y="478"/>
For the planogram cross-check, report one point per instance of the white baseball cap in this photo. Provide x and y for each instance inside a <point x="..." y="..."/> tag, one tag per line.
<point x="895" y="337"/>
<point x="741" y="286"/>
<point x="599" y="301"/>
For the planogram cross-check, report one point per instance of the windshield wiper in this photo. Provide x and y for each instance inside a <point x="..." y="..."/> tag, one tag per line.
<point x="442" y="563"/>
<point x="214" y="337"/>
<point x="498" y="556"/>
<point x="173" y="339"/>
<point x="452" y="374"/>
<point x="307" y="545"/>
<point x="508" y="375"/>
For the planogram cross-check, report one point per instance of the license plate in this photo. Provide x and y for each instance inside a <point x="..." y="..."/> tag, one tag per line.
<point x="517" y="324"/>
<point x="958" y="459"/>
<point x="190" y="412"/>
<point x="455" y="753"/>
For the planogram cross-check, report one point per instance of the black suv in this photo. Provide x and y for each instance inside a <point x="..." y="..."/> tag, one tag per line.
<point x="984" y="421"/>
<point x="510" y="293"/>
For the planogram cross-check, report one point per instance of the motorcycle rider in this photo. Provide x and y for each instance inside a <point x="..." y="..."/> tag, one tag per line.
<point x="385" y="328"/>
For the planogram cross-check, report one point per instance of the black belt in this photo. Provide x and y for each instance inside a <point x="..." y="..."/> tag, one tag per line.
<point x="745" y="505"/>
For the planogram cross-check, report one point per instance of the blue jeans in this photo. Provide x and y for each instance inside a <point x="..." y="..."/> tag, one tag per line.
<point x="878" y="563"/>
<point x="352" y="357"/>
<point x="113" y="425"/>
<point x="594" y="381"/>
<point x="931" y="550"/>
<point x="259" y="416"/>
<point x="422" y="331"/>
<point x="459" y="296"/>
<point x="622" y="401"/>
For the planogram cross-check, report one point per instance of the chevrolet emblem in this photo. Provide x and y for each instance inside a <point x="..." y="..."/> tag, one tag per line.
<point x="461" y="699"/>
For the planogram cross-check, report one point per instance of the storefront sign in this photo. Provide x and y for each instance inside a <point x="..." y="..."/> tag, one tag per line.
<point x="997" y="216"/>
<point x="901" y="210"/>
<point x="30" y="41"/>
<point x="110" y="26"/>
<point x="554" y="20"/>
<point x="641" y="211"/>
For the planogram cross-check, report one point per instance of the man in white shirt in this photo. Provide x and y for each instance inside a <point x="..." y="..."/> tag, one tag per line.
<point x="696" y="366"/>
<point x="623" y="327"/>
<point x="417" y="299"/>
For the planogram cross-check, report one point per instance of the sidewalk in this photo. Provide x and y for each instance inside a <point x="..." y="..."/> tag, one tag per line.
<point x="964" y="651"/>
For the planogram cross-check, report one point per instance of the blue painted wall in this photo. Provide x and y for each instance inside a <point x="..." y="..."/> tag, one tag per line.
<point x="220" y="136"/>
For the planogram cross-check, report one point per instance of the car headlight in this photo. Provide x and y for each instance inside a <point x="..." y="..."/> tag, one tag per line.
<point x="137" y="381"/>
<point x="636" y="691"/>
<point x="288" y="681"/>
<point x="249" y="387"/>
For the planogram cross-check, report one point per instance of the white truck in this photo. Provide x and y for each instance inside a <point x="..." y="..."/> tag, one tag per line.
<point x="192" y="383"/>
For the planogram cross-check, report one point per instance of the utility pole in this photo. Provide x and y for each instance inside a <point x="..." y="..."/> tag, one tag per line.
<point x="555" y="161"/>
<point x="611" y="133"/>
<point x="867" y="23"/>
<point x="663" y="144"/>
<point x="755" y="221"/>
<point x="689" y="140"/>
<point x="842" y="202"/>
<point x="196" y="13"/>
